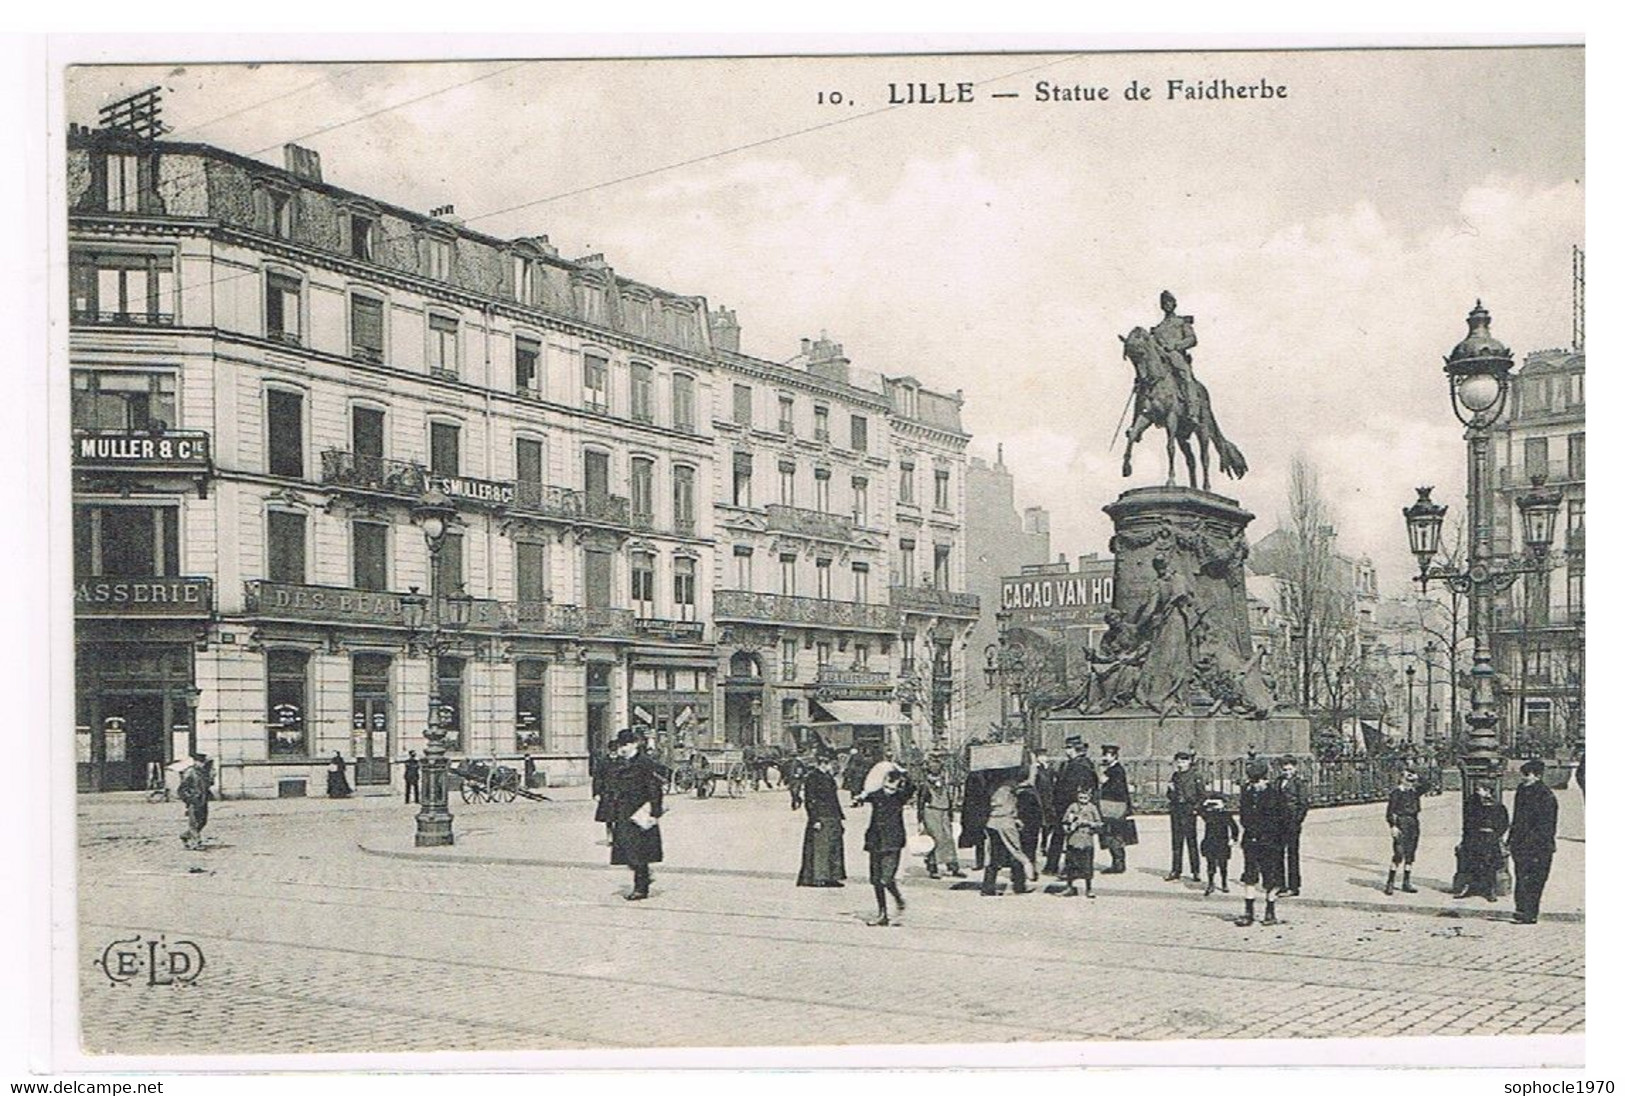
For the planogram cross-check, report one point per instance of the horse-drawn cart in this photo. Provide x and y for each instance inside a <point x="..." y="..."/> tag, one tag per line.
<point x="703" y="772"/>
<point x="482" y="780"/>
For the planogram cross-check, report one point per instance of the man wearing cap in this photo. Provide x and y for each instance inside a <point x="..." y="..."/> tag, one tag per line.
<point x="1116" y="808"/>
<point x="1295" y="790"/>
<point x="1077" y="771"/>
<point x="1186" y="793"/>
<point x="194" y="793"/>
<point x="633" y="789"/>
<point x="1532" y="839"/>
<point x="1404" y="818"/>
<point x="1263" y="840"/>
<point x="823" y="845"/>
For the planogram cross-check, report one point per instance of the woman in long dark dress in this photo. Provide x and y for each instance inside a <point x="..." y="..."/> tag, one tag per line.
<point x="823" y="845"/>
<point x="1483" y="826"/>
<point x="633" y="788"/>
<point x="338" y="781"/>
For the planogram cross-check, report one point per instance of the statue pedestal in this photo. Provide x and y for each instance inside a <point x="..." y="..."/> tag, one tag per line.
<point x="1203" y="537"/>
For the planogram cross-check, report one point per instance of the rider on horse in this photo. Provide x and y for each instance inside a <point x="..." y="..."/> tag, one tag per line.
<point x="1175" y="335"/>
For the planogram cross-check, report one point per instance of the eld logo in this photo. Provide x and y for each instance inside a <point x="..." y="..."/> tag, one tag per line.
<point x="159" y="961"/>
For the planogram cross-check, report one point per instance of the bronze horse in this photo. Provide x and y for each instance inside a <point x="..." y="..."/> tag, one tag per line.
<point x="1157" y="403"/>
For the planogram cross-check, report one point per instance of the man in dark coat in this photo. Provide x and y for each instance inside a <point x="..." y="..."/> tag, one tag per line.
<point x="1295" y="789"/>
<point x="194" y="791"/>
<point x="1116" y="808"/>
<point x="1404" y="817"/>
<point x="633" y="789"/>
<point x="886" y="839"/>
<point x="1187" y="791"/>
<point x="1263" y="840"/>
<point x="1532" y="840"/>
<point x="974" y="805"/>
<point x="823" y="844"/>
<point x="412" y="775"/>
<point x="1075" y="772"/>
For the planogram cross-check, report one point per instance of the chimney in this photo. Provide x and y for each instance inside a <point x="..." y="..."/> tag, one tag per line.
<point x="827" y="359"/>
<point x="725" y="329"/>
<point x="302" y="163"/>
<point x="1061" y="559"/>
<point x="1000" y="462"/>
<point x="542" y="244"/>
<point x="1036" y="519"/>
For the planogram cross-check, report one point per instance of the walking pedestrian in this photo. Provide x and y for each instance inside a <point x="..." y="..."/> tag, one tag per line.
<point x="194" y="794"/>
<point x="412" y="775"/>
<point x="1219" y="830"/>
<point x="633" y="790"/>
<point x="1004" y="845"/>
<point x="795" y="777"/>
<point x="1484" y="824"/>
<point x="975" y="801"/>
<point x="1263" y="841"/>
<point x="936" y="806"/>
<point x="1076" y="771"/>
<point x="853" y="774"/>
<point x="1295" y="789"/>
<point x="1186" y="791"/>
<point x="1404" y="817"/>
<point x="530" y="772"/>
<point x="886" y="838"/>
<point x="1117" y="809"/>
<point x="1079" y="826"/>
<point x="601" y="763"/>
<point x="1050" y="808"/>
<point x="1532" y="839"/>
<point x="823" y="843"/>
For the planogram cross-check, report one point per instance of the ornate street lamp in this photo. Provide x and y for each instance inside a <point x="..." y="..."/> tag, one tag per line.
<point x="427" y="630"/>
<point x="1478" y="371"/>
<point x="193" y="696"/>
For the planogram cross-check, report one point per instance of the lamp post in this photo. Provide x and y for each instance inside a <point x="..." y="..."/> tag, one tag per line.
<point x="1410" y="693"/>
<point x="426" y="630"/>
<point x="193" y="696"/>
<point x="1477" y="370"/>
<point x="1429" y="727"/>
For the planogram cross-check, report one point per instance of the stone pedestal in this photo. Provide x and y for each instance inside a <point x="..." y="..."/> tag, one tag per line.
<point x="1203" y="537"/>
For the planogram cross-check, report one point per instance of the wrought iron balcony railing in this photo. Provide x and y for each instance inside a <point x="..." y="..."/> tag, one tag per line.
<point x="546" y="499"/>
<point x="808" y="523"/>
<point x="782" y="609"/>
<point x="606" y="509"/>
<point x="375" y="474"/>
<point x="926" y="599"/>
<point x="126" y="319"/>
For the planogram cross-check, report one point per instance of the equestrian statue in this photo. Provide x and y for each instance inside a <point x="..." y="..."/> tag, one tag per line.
<point x="1167" y="395"/>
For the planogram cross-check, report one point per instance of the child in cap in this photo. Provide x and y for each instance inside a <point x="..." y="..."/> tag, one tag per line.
<point x="1081" y="823"/>
<point x="1219" y="830"/>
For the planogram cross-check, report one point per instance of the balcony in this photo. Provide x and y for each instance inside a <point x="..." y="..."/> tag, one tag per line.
<point x="606" y="510"/>
<point x="781" y="609"/>
<point x="676" y="631"/>
<point x="373" y="475"/>
<point x="809" y="523"/>
<point x="88" y="317"/>
<point x="927" y="599"/>
<point x="146" y="596"/>
<point x="269" y="600"/>
<point x="547" y="500"/>
<point x="606" y="623"/>
<point x="1557" y="473"/>
<point x="143" y="450"/>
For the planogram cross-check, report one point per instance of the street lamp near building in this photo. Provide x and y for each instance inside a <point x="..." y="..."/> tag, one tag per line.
<point x="1478" y="370"/>
<point x="1410" y="707"/>
<point x="432" y="625"/>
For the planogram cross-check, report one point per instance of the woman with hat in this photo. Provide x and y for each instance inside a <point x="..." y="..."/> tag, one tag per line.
<point x="633" y="789"/>
<point x="823" y="844"/>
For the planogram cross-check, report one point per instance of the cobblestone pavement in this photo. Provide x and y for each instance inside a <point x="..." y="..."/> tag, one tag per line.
<point x="323" y="931"/>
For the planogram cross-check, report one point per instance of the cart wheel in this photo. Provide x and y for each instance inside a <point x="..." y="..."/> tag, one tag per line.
<point x="736" y="782"/>
<point x="505" y="794"/>
<point x="469" y="792"/>
<point x="684" y="779"/>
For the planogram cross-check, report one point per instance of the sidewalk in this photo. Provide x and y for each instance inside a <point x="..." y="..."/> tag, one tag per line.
<point x="1345" y="850"/>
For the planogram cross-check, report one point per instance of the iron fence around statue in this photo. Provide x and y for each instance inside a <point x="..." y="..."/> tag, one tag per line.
<point x="1335" y="783"/>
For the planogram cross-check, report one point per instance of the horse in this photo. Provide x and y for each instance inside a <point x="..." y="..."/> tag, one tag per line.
<point x="1157" y="402"/>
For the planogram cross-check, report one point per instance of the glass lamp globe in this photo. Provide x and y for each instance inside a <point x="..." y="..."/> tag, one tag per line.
<point x="434" y="526"/>
<point x="1479" y="392"/>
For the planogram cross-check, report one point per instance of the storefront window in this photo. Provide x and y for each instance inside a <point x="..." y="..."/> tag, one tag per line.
<point x="530" y="705"/>
<point x="285" y="718"/>
<point x="448" y="699"/>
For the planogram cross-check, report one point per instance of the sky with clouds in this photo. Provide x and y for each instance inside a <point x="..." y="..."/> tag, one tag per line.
<point x="1329" y="243"/>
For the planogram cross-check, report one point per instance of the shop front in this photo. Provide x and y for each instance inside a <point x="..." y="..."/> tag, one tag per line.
<point x="671" y="696"/>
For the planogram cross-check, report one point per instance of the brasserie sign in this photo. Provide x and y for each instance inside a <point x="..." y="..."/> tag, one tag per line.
<point x="142" y="596"/>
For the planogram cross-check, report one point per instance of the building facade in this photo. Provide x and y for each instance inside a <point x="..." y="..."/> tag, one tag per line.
<point x="1538" y="638"/>
<point x="999" y="541"/>
<point x="275" y="382"/>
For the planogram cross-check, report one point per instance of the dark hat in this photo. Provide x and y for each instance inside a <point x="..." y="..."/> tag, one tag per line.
<point x="625" y="737"/>
<point x="1184" y="755"/>
<point x="1074" y="740"/>
<point x="1289" y="760"/>
<point x="1533" y="767"/>
<point x="1257" y="769"/>
<point x="1110" y="749"/>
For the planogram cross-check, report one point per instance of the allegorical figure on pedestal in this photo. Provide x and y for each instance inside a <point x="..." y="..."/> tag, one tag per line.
<point x="1166" y="619"/>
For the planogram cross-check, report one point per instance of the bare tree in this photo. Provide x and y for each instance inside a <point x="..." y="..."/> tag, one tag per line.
<point x="1310" y="587"/>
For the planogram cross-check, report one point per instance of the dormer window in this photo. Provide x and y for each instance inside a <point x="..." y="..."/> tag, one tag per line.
<point x="524" y="279"/>
<point x="273" y="210"/>
<point x="363" y="237"/>
<point x="123" y="183"/>
<point x="437" y="258"/>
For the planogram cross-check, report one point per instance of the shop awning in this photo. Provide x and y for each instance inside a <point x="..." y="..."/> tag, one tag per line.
<point x="861" y="713"/>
